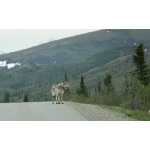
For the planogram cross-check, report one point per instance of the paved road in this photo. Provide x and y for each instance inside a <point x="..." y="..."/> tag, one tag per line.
<point x="42" y="111"/>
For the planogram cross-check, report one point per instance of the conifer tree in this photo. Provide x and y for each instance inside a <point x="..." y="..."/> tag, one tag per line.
<point x="142" y="71"/>
<point x="108" y="82"/>
<point x="6" y="97"/>
<point x="77" y="90"/>
<point x="82" y="88"/>
<point x="66" y="80"/>
<point x="66" y="77"/>
<point x="25" y="98"/>
<point x="99" y="86"/>
<point x="95" y="90"/>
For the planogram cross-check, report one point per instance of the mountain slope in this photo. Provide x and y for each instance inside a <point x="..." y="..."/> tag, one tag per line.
<point x="91" y="55"/>
<point x="33" y="73"/>
<point x="78" y="48"/>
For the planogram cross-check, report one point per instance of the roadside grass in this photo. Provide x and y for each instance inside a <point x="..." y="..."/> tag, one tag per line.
<point x="137" y="114"/>
<point x="78" y="99"/>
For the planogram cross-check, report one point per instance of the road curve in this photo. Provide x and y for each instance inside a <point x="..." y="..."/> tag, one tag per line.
<point x="38" y="111"/>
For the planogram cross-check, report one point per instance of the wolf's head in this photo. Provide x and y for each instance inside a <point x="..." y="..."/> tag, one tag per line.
<point x="65" y="85"/>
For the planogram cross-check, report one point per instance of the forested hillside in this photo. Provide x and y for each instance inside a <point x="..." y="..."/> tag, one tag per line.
<point x="91" y="55"/>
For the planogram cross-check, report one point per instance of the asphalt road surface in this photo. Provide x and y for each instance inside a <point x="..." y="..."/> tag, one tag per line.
<point x="38" y="111"/>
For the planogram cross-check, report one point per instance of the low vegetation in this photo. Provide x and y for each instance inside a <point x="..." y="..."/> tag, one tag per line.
<point x="132" y="98"/>
<point x="137" y="114"/>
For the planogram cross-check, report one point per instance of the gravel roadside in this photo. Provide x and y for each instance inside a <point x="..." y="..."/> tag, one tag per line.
<point x="97" y="113"/>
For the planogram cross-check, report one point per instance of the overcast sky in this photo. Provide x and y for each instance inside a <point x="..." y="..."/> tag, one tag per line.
<point x="18" y="39"/>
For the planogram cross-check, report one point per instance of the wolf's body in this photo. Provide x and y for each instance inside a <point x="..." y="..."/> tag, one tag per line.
<point x="58" y="92"/>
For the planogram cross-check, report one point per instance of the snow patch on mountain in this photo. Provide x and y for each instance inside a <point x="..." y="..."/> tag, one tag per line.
<point x="3" y="63"/>
<point x="9" y="65"/>
<point x="12" y="65"/>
